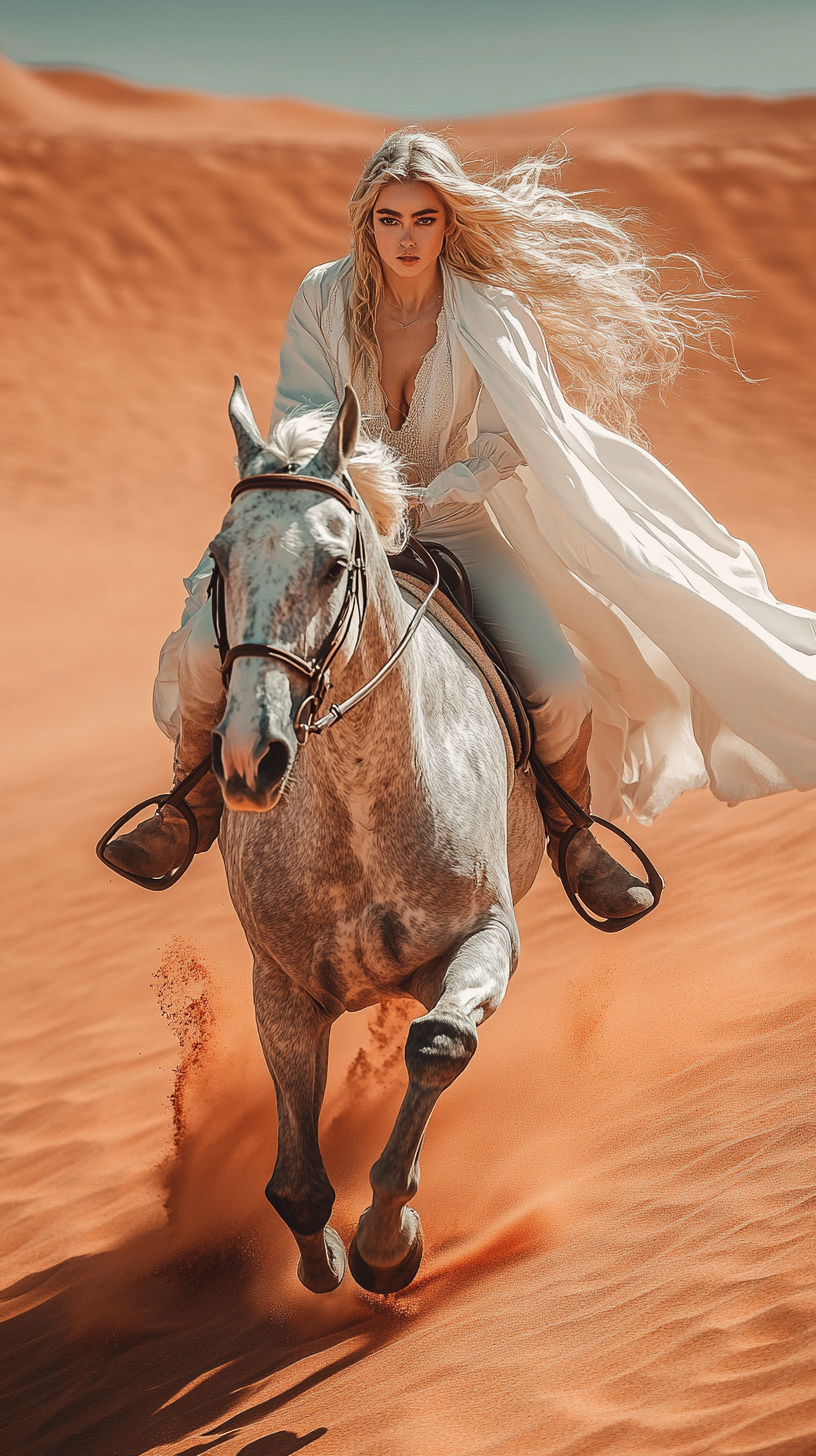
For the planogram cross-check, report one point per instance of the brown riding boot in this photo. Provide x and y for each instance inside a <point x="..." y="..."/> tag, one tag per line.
<point x="604" y="886"/>
<point x="159" y="845"/>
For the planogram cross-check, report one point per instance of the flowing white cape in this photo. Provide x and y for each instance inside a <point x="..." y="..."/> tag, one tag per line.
<point x="697" y="674"/>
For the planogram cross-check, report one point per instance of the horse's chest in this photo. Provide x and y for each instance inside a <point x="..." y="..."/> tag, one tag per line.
<point x="370" y="893"/>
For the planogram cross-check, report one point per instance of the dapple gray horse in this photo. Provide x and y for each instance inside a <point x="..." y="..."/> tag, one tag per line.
<point x="380" y="859"/>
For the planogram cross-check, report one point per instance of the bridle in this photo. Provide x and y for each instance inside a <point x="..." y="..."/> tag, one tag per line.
<point x="316" y="670"/>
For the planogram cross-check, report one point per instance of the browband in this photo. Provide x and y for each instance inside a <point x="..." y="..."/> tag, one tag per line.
<point x="282" y="481"/>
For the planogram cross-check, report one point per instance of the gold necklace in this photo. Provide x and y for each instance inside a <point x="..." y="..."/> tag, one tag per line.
<point x="436" y="304"/>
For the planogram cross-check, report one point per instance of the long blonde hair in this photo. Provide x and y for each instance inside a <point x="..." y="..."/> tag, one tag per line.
<point x="598" y="296"/>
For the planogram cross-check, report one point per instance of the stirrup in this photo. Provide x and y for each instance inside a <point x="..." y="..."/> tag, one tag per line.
<point x="581" y="819"/>
<point x="177" y="799"/>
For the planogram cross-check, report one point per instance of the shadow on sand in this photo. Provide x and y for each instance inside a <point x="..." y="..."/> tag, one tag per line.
<point x="681" y="1293"/>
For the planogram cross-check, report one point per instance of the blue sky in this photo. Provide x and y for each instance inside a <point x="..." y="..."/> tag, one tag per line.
<point x="426" y="57"/>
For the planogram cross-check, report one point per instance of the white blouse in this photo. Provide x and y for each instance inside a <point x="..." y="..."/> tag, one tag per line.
<point x="429" y="413"/>
<point x="434" y="439"/>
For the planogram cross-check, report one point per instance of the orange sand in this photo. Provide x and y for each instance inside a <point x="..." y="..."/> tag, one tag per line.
<point x="615" y="1193"/>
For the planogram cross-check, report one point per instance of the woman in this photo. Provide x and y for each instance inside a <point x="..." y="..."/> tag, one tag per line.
<point x="643" y="637"/>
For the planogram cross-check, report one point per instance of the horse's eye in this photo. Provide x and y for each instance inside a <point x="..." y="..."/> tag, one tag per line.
<point x="335" y="571"/>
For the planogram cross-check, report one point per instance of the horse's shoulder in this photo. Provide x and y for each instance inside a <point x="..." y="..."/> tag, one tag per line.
<point x="448" y="619"/>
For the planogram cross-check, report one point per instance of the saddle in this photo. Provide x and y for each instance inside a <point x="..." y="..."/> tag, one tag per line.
<point x="452" y="609"/>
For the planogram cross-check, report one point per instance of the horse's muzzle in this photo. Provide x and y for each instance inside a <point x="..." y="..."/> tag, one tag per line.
<point x="251" y="775"/>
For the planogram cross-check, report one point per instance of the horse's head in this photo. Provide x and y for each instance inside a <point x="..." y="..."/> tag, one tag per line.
<point x="283" y="557"/>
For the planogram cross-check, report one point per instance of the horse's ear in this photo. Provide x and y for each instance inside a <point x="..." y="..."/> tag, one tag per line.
<point x="340" y="443"/>
<point x="247" y="435"/>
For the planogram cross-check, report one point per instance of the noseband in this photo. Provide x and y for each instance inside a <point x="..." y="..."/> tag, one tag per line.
<point x="316" y="670"/>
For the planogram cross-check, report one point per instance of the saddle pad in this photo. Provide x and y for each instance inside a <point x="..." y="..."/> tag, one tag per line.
<point x="452" y="624"/>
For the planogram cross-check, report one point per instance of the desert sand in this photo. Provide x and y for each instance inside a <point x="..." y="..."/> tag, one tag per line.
<point x="615" y="1194"/>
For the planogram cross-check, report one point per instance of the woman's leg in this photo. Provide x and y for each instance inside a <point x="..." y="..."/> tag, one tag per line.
<point x="201" y="691"/>
<point x="510" y="608"/>
<point x="159" y="844"/>
<point x="512" y="611"/>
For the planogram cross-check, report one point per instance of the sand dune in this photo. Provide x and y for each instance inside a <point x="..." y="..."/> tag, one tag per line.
<point x="616" y="1193"/>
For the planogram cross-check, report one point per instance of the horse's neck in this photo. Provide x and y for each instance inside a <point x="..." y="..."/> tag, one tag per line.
<point x="361" y="746"/>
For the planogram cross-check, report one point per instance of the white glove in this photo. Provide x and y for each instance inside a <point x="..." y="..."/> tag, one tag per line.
<point x="500" y="451"/>
<point x="494" y="458"/>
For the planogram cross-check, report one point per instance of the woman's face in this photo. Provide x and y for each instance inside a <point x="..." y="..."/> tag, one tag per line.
<point x="409" y="228"/>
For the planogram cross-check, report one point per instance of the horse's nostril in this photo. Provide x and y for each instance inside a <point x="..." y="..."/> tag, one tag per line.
<point x="246" y="777"/>
<point x="273" y="766"/>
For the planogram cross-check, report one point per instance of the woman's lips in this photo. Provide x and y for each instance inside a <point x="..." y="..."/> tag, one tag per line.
<point x="408" y="258"/>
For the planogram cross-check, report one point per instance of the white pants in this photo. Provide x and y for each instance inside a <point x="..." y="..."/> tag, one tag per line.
<point x="508" y="606"/>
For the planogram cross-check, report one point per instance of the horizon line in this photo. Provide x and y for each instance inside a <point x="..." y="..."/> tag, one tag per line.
<point x="574" y="98"/>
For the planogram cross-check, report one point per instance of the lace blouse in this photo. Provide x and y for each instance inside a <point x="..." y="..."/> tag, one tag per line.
<point x="448" y="469"/>
<point x="429" y="413"/>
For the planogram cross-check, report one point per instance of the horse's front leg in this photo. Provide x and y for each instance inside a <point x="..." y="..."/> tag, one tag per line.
<point x="294" y="1032"/>
<point x="386" y="1251"/>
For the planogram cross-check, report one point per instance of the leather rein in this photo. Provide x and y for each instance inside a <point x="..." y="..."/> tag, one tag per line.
<point x="316" y="670"/>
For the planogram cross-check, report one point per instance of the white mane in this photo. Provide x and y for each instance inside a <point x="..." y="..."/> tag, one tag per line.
<point x="375" y="469"/>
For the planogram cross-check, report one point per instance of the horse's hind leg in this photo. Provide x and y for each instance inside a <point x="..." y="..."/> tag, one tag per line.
<point x="294" y="1032"/>
<point x="386" y="1251"/>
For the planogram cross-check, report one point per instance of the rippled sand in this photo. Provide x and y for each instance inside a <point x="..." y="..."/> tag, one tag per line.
<point x="616" y="1195"/>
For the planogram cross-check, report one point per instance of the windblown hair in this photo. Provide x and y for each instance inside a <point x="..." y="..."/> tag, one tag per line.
<point x="598" y="296"/>
<point x="375" y="469"/>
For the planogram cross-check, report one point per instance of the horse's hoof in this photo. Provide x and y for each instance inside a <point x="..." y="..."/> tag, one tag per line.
<point x="399" y="1276"/>
<point x="319" y="1279"/>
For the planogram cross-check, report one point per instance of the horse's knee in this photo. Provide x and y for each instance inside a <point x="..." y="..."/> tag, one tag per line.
<point x="439" y="1047"/>
<point x="304" y="1212"/>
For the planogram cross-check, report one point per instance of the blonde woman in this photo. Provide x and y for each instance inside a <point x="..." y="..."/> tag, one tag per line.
<point x="648" y="649"/>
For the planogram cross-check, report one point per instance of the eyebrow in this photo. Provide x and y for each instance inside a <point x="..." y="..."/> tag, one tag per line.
<point x="424" y="212"/>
